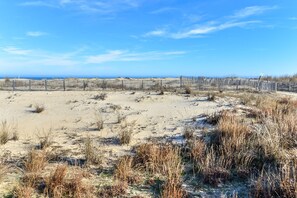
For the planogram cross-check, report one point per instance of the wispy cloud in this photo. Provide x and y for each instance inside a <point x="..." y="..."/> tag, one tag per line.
<point x="252" y="10"/>
<point x="155" y="33"/>
<point x="87" y="6"/>
<point x="123" y="56"/>
<point x="237" y="20"/>
<point x="36" y="34"/>
<point x="212" y="28"/>
<point x="163" y="10"/>
<point x="31" y="57"/>
<point x="15" y="51"/>
<point x="293" y="18"/>
<point x="37" y="4"/>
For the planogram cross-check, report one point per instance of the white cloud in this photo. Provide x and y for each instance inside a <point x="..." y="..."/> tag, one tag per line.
<point x="37" y="4"/>
<point x="252" y="10"/>
<point x="87" y="6"/>
<point x="293" y="18"/>
<point x="120" y="56"/>
<point x="163" y="10"/>
<point x="208" y="27"/>
<point x="155" y="33"/>
<point x="36" y="34"/>
<point x="16" y="51"/>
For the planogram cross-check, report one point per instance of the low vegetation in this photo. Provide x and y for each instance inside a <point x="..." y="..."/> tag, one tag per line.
<point x="8" y="132"/>
<point x="38" y="108"/>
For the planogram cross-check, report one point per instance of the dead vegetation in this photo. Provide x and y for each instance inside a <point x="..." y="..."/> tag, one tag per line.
<point x="126" y="131"/>
<point x="8" y="132"/>
<point x="38" y="108"/>
<point x="92" y="155"/>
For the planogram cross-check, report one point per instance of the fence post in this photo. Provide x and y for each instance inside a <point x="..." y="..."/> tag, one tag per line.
<point x="64" y="86"/>
<point x="122" y="84"/>
<point x="181" y="82"/>
<point x="142" y="85"/>
<point x="161" y="84"/>
<point x="84" y="85"/>
<point x="30" y="85"/>
<point x="290" y="87"/>
<point x="45" y="85"/>
<point x="13" y="85"/>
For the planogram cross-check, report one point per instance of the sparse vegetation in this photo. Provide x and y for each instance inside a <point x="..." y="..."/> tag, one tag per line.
<point x="7" y="132"/>
<point x="45" y="139"/>
<point x="101" y="96"/>
<point x="99" y="121"/>
<point x="126" y="131"/>
<point x="38" y="108"/>
<point x="92" y="155"/>
<point x="188" y="90"/>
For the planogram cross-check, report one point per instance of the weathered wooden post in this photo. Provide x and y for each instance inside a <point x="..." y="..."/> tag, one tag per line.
<point x="290" y="87"/>
<point x="142" y="85"/>
<point x="275" y="86"/>
<point x="161" y="84"/>
<point x="181" y="82"/>
<point x="84" y="85"/>
<point x="30" y="86"/>
<point x="122" y="84"/>
<point x="13" y="85"/>
<point x="64" y="85"/>
<point x="45" y="85"/>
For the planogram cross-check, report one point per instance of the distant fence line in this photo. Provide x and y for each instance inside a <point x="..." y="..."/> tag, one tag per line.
<point x="197" y="83"/>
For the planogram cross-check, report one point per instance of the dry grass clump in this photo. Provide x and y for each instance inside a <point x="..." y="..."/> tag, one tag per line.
<point x="116" y="190"/>
<point x="63" y="183"/>
<point x="125" y="134"/>
<point x="188" y="90"/>
<point x="99" y="121"/>
<point x="277" y="183"/>
<point x="188" y="132"/>
<point x="45" y="139"/>
<point x="23" y="192"/>
<point x="124" y="171"/>
<point x="230" y="125"/>
<point x="8" y="131"/>
<point x="101" y="96"/>
<point x="92" y="155"/>
<point x="38" y="108"/>
<point x="211" y="97"/>
<point x="36" y="161"/>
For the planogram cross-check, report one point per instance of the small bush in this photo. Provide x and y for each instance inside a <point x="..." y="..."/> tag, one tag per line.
<point x="38" y="108"/>
<point x="126" y="132"/>
<point x="211" y="97"/>
<point x="45" y="139"/>
<point x="189" y="132"/>
<point x="101" y="96"/>
<point x="7" y="131"/>
<point x="91" y="154"/>
<point x="4" y="133"/>
<point x="124" y="171"/>
<point x="23" y="192"/>
<point x="188" y="90"/>
<point x="58" y="185"/>
<point x="99" y="121"/>
<point x="117" y="190"/>
<point x="36" y="161"/>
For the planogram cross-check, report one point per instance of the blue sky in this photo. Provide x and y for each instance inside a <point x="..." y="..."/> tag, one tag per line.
<point x="148" y="37"/>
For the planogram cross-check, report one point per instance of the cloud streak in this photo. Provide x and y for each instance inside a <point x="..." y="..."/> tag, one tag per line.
<point x="87" y="6"/>
<point x="237" y="20"/>
<point x="36" y="34"/>
<point x="124" y="56"/>
<point x="252" y="11"/>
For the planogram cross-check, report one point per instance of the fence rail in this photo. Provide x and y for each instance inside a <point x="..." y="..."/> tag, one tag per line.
<point x="196" y="83"/>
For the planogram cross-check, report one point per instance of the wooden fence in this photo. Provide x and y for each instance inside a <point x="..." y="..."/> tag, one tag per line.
<point x="196" y="83"/>
<point x="201" y="83"/>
